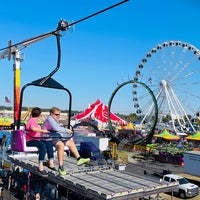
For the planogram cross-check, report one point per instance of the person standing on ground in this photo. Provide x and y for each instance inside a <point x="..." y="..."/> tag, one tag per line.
<point x="33" y="139"/>
<point x="56" y="130"/>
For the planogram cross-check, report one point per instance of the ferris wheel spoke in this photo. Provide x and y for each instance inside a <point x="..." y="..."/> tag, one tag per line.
<point x="187" y="75"/>
<point x="191" y="83"/>
<point x="190" y="93"/>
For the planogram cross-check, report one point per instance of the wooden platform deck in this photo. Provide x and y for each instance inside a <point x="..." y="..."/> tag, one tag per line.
<point x="97" y="182"/>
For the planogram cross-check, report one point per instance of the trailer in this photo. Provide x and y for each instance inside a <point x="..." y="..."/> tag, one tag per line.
<point x="192" y="162"/>
<point x="99" y="182"/>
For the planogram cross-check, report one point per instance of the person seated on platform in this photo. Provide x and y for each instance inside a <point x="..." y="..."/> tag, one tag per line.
<point x="33" y="139"/>
<point x="56" y="129"/>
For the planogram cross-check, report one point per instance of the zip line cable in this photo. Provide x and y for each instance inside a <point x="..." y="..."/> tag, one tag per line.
<point x="62" y="26"/>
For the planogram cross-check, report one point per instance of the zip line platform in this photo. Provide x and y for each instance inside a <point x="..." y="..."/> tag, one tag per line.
<point x="99" y="182"/>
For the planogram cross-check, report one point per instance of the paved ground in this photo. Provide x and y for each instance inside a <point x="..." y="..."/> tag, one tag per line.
<point x="169" y="197"/>
<point x="157" y="168"/>
<point x="154" y="168"/>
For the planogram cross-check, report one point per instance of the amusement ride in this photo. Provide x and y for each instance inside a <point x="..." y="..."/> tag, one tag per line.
<point x="145" y="103"/>
<point x="14" y="51"/>
<point x="171" y="70"/>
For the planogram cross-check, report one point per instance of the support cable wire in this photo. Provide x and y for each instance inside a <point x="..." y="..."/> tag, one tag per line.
<point x="62" y="26"/>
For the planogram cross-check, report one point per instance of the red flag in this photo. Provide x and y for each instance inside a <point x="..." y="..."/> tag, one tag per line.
<point x="7" y="100"/>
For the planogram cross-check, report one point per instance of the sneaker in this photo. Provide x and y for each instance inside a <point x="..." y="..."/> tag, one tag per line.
<point x="82" y="161"/>
<point x="61" y="171"/>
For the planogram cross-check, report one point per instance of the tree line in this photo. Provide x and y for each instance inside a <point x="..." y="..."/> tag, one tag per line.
<point x="73" y="112"/>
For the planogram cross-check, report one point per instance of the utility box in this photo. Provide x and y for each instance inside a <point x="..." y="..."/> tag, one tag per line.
<point x="120" y="166"/>
<point x="100" y="142"/>
<point x="89" y="150"/>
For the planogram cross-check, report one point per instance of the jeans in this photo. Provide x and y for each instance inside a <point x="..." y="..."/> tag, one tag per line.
<point x="41" y="148"/>
<point x="49" y="147"/>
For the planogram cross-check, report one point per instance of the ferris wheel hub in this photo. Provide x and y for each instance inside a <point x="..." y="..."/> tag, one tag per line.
<point x="163" y="83"/>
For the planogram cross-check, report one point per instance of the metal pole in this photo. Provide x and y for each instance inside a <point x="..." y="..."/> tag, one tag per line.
<point x="16" y="69"/>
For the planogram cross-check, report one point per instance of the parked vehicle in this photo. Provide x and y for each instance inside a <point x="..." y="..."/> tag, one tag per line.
<point x="185" y="188"/>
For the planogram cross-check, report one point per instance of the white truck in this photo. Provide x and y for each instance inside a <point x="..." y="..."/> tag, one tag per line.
<point x="185" y="188"/>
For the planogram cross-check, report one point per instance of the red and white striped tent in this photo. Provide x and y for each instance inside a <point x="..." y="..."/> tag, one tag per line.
<point x="99" y="112"/>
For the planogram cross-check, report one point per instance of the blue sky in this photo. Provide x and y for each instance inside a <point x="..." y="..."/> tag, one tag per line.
<point x="97" y="53"/>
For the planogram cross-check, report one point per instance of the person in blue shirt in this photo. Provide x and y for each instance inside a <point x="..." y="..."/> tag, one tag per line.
<point x="61" y="137"/>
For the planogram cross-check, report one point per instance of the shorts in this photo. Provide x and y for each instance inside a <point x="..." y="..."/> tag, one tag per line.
<point x="56" y="137"/>
<point x="55" y="140"/>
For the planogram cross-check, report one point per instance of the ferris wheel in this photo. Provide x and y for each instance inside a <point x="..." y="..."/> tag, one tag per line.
<point x="172" y="71"/>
